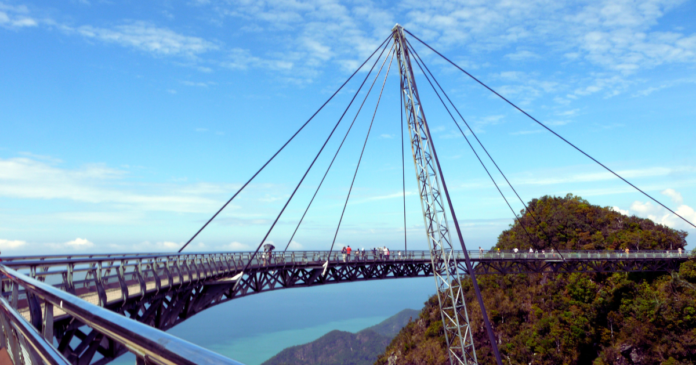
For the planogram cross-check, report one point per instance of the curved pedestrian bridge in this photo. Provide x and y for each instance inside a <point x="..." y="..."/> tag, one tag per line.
<point x="164" y="289"/>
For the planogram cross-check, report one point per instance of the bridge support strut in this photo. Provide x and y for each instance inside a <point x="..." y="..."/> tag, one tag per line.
<point x="433" y="192"/>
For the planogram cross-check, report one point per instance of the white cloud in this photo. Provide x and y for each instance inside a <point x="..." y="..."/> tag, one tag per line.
<point x="11" y="244"/>
<point x="294" y="245"/>
<point x="79" y="243"/>
<point x="16" y="17"/>
<point x="30" y="179"/>
<point x="622" y="211"/>
<point x="522" y="55"/>
<point x="146" y="37"/>
<point x="237" y="246"/>
<point x="242" y="59"/>
<point x="198" y="83"/>
<point x="170" y="245"/>
<point x="558" y="178"/>
<point x="661" y="215"/>
<point x="522" y="133"/>
<point x="161" y="246"/>
<point x="675" y="196"/>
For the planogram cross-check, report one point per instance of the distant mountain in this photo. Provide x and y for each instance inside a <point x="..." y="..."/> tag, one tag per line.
<point x="345" y="348"/>
<point x="391" y="326"/>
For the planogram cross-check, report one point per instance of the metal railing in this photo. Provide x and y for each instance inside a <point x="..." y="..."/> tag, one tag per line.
<point x="150" y="345"/>
<point x="105" y="278"/>
<point x="96" y="280"/>
<point x="24" y="343"/>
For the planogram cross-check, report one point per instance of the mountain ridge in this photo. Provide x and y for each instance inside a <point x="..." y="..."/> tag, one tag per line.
<point x="346" y="348"/>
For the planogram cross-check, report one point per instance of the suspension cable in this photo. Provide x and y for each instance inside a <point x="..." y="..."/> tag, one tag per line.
<point x="488" y="154"/>
<point x="337" y="151"/>
<point x="361" y="154"/>
<point x="403" y="163"/>
<point x="467" y="259"/>
<point x="283" y="147"/>
<point x="251" y="258"/>
<point x="550" y="130"/>
<point x="417" y="58"/>
<point x="519" y="221"/>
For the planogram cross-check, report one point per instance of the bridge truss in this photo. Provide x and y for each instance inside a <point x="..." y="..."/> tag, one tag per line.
<point x="163" y="290"/>
<point x="455" y="319"/>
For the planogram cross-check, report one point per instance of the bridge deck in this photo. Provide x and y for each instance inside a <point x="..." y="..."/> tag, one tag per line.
<point x="220" y="272"/>
<point x="138" y="285"/>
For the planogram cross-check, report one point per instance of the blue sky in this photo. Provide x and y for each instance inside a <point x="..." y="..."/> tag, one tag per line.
<point x="125" y="125"/>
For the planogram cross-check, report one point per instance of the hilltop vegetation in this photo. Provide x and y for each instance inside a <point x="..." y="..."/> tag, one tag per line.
<point x="638" y="318"/>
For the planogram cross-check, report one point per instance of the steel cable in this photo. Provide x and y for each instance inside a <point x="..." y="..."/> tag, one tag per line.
<point x="251" y="258"/>
<point x="485" y="150"/>
<point x="417" y="58"/>
<point x="550" y="130"/>
<point x="467" y="259"/>
<point x="531" y="213"/>
<point x="335" y="155"/>
<point x="361" y="155"/>
<point x="403" y="163"/>
<point x="283" y="147"/>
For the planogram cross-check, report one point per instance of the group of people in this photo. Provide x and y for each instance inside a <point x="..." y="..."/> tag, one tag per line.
<point x="381" y="253"/>
<point x="552" y="253"/>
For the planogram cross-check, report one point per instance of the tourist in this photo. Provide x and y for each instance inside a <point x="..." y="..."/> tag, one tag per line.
<point x="343" y="253"/>
<point x="553" y="253"/>
<point x="267" y="253"/>
<point x="348" y="249"/>
<point x="386" y="253"/>
<point x="531" y="251"/>
<point x="626" y="252"/>
<point x="680" y="251"/>
<point x="515" y="252"/>
<point x="480" y="252"/>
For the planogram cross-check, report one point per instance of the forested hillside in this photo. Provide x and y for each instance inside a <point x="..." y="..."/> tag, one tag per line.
<point x="639" y="318"/>
<point x="345" y="348"/>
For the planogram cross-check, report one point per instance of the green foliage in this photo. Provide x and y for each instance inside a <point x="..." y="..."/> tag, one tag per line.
<point x="640" y="318"/>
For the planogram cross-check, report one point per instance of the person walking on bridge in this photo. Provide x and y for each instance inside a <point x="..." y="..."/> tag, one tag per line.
<point x="348" y="250"/>
<point x="343" y="252"/>
<point x="386" y="253"/>
<point x="480" y="252"/>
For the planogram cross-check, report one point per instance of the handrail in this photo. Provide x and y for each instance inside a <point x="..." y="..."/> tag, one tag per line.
<point x="47" y="353"/>
<point x="148" y="343"/>
<point x="26" y="261"/>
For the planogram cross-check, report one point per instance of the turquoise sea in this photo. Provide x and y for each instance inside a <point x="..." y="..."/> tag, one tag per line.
<point x="255" y="328"/>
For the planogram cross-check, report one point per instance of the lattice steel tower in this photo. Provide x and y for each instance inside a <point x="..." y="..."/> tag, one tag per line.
<point x="460" y="342"/>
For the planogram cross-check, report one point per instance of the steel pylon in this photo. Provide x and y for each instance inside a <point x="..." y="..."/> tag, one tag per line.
<point x="455" y="319"/>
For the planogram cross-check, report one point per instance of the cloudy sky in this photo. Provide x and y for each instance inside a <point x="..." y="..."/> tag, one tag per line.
<point x="125" y="125"/>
